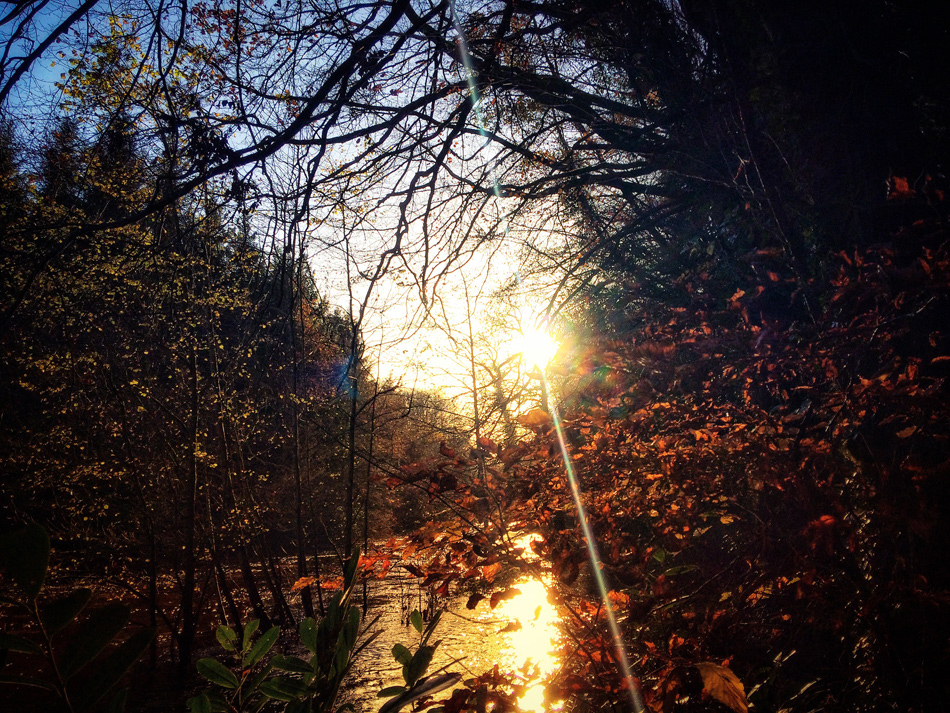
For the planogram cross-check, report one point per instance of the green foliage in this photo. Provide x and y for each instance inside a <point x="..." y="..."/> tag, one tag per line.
<point x="289" y="682"/>
<point x="414" y="666"/>
<point x="75" y="660"/>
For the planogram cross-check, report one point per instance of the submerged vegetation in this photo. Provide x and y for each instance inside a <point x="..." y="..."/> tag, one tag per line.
<point x="225" y="225"/>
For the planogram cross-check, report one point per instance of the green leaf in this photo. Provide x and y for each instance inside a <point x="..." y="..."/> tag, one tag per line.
<point x="659" y="555"/>
<point x="253" y="683"/>
<point x="57" y="614"/>
<point x="420" y="663"/>
<point x="27" y="681"/>
<point x="416" y="620"/>
<point x="262" y="646"/>
<point x="291" y="664"/>
<point x="226" y="637"/>
<point x="117" y="704"/>
<point x="249" y="630"/>
<point x="110" y="670"/>
<point x="217" y="672"/>
<point x="93" y="635"/>
<point x="351" y="629"/>
<point x="25" y="556"/>
<point x="283" y="689"/>
<point x="430" y="628"/>
<point x="308" y="634"/>
<point x="391" y="691"/>
<point x="402" y="654"/>
<point x="349" y="575"/>
<point x="199" y="704"/>
<point x="9" y="642"/>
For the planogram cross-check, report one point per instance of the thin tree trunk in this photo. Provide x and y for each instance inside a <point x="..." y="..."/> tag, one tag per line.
<point x="296" y="349"/>
<point x="253" y="593"/>
<point x="186" y="641"/>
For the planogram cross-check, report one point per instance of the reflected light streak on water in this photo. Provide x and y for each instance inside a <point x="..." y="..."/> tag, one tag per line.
<point x="534" y="645"/>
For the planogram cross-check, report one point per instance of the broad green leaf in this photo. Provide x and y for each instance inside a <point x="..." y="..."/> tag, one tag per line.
<point x="426" y="687"/>
<point x="117" y="704"/>
<point x="199" y="704"/>
<point x="283" y="689"/>
<point x="252" y="684"/>
<point x="57" y="614"/>
<point x="420" y="663"/>
<point x="94" y="633"/>
<point x="25" y="556"/>
<point x="109" y="671"/>
<point x="391" y="691"/>
<point x="351" y="628"/>
<point x="262" y="646"/>
<point x="217" y="672"/>
<point x="291" y="664"/>
<point x="659" y="555"/>
<point x="249" y="630"/>
<point x="416" y="620"/>
<point x="226" y="637"/>
<point x="342" y="656"/>
<point x="402" y="654"/>
<point x="308" y="634"/>
<point x="26" y="681"/>
<point x="9" y="642"/>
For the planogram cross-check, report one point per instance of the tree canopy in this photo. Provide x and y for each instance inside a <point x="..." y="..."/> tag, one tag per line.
<point x="732" y="213"/>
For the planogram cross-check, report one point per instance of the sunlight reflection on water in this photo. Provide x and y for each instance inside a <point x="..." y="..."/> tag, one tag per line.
<point x="477" y="639"/>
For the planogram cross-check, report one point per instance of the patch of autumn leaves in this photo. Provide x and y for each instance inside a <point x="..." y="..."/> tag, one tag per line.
<point x="738" y="468"/>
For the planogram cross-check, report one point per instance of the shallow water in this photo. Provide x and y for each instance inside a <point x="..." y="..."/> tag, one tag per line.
<point x="472" y="641"/>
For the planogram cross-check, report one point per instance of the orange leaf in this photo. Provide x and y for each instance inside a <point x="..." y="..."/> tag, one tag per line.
<point x="535" y="418"/>
<point x="302" y="583"/>
<point x="489" y="571"/>
<point x="723" y="685"/>
<point x="900" y="188"/>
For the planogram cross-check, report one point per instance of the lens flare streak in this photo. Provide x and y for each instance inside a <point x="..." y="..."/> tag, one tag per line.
<point x="636" y="700"/>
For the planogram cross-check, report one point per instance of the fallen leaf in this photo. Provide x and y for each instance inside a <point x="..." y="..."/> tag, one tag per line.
<point x="302" y="583"/>
<point x="723" y="685"/>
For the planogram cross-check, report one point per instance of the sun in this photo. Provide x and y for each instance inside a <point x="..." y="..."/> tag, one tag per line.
<point x="536" y="346"/>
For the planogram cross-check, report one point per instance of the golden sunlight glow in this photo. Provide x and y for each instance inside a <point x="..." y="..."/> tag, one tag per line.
<point x="536" y="346"/>
<point x="533" y="646"/>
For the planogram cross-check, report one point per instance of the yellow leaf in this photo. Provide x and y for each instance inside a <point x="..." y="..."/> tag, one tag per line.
<point x="722" y="684"/>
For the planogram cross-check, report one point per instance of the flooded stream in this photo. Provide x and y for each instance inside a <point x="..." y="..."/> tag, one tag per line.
<point x="520" y="635"/>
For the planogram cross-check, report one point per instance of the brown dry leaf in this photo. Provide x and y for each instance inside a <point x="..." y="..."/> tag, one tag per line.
<point x="474" y="600"/>
<point x="535" y="418"/>
<point x="723" y="685"/>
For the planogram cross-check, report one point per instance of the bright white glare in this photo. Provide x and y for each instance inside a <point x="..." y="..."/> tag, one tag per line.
<point x="536" y="346"/>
